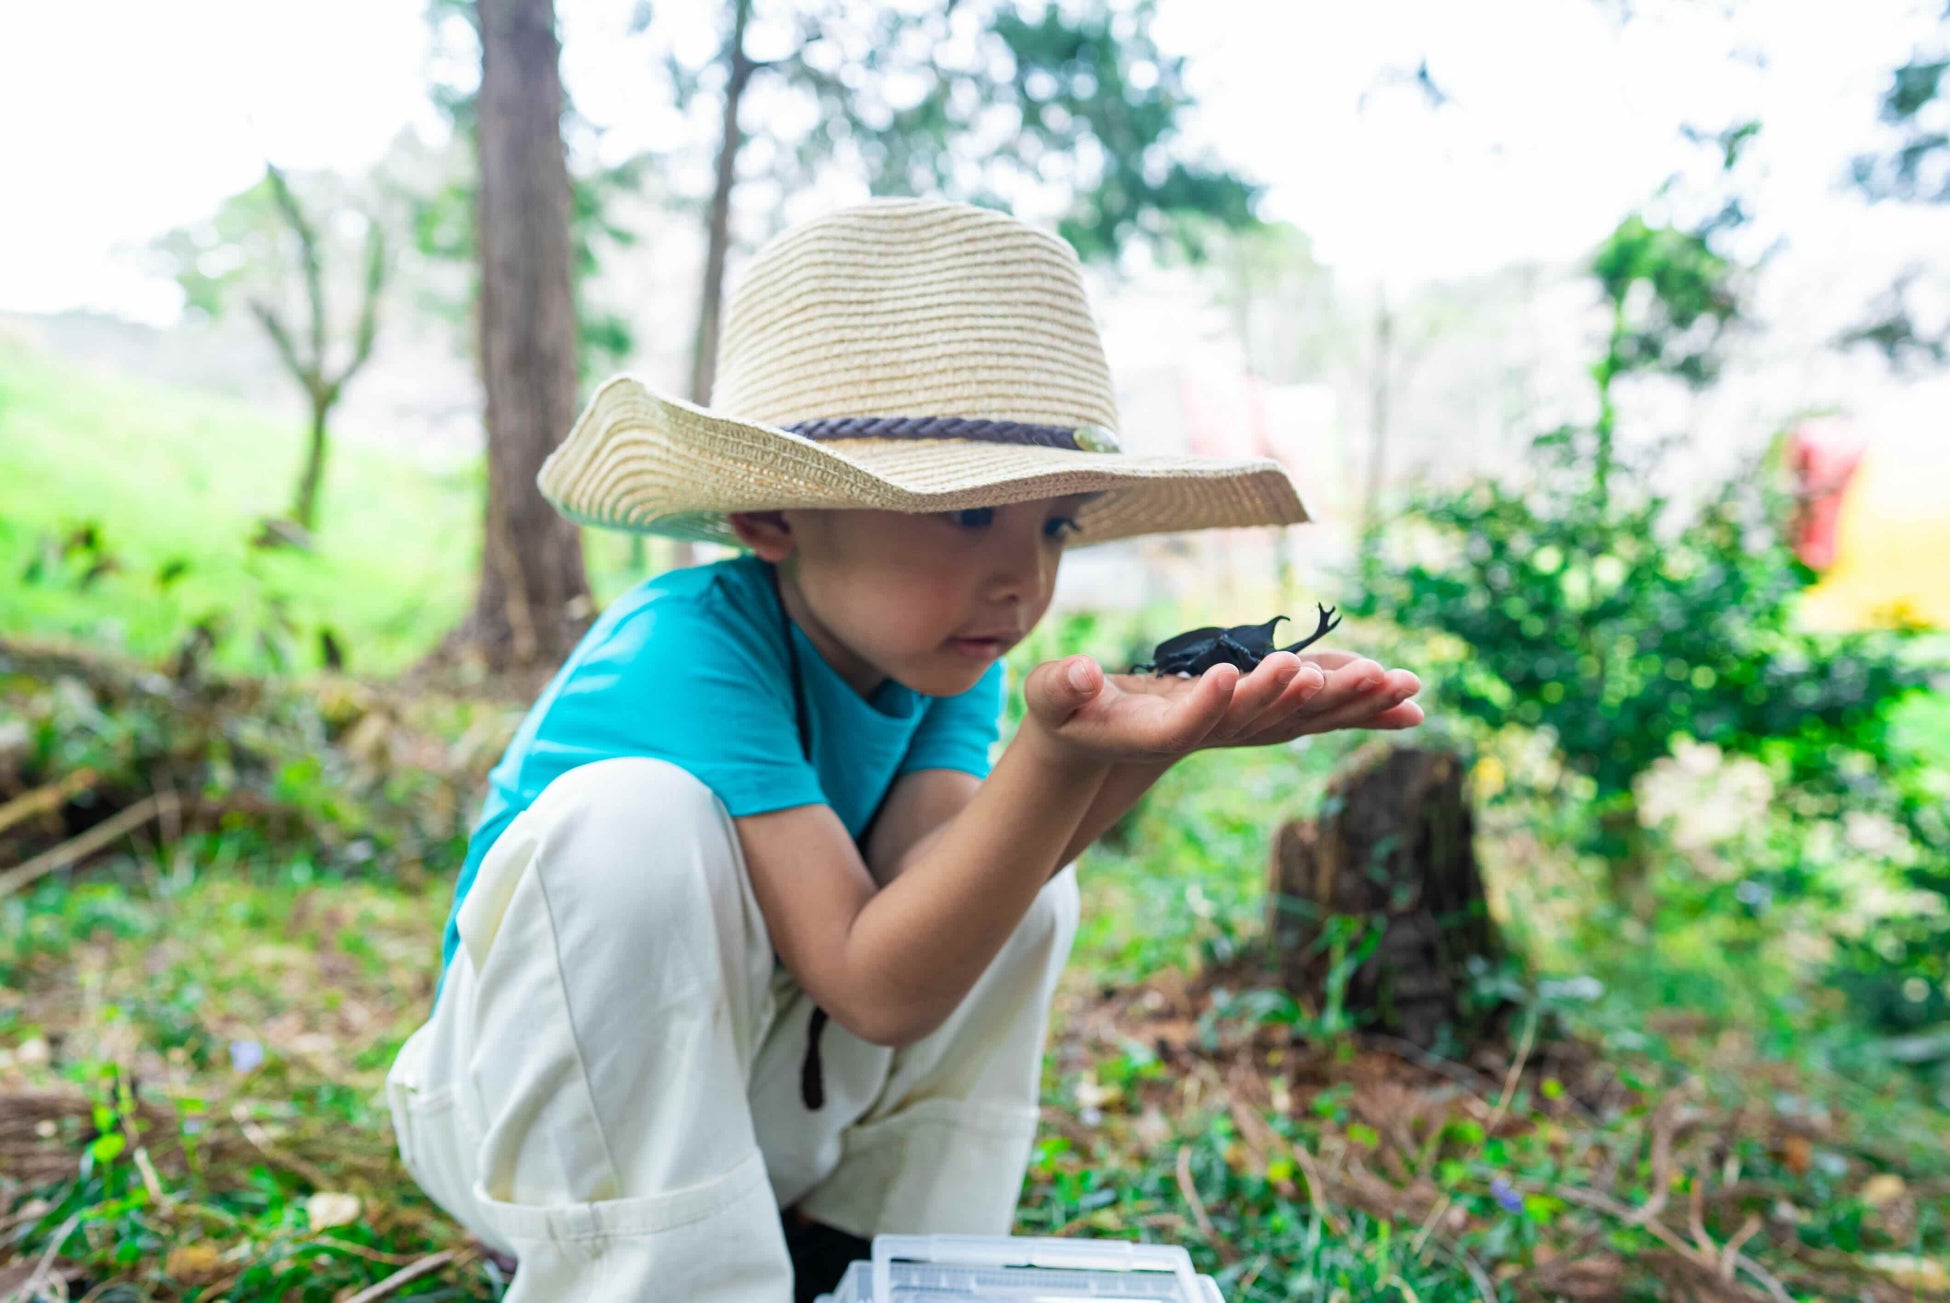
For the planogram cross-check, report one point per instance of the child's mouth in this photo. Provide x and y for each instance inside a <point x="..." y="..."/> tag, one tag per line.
<point x="979" y="647"/>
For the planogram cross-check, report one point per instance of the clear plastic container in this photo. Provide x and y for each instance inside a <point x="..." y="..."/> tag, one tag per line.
<point x="957" y="1268"/>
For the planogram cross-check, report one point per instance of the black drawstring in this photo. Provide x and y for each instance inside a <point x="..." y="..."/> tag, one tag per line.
<point x="812" y="1078"/>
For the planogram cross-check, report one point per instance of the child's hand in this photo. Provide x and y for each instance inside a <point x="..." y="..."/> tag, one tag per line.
<point x="1146" y="717"/>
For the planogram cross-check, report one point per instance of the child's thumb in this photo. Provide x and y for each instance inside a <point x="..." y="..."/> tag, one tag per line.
<point x="1058" y="689"/>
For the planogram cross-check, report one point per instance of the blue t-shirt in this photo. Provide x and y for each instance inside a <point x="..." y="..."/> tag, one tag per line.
<point x="689" y="667"/>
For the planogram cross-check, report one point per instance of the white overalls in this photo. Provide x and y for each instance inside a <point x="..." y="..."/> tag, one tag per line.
<point x="609" y="1085"/>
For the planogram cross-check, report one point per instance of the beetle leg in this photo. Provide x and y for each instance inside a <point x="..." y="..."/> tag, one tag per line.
<point x="1236" y="654"/>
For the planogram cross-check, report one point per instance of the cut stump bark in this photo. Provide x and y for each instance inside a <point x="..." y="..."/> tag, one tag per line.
<point x="1393" y="850"/>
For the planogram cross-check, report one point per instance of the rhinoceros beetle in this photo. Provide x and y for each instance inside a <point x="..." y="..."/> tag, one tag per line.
<point x="1243" y="645"/>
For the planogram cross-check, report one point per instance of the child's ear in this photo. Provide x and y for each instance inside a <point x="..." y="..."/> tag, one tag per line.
<point x="764" y="532"/>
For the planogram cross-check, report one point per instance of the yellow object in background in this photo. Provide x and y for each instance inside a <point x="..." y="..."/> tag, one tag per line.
<point x="1892" y="554"/>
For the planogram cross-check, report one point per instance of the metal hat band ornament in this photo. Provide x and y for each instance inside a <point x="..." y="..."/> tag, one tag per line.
<point x="1081" y="438"/>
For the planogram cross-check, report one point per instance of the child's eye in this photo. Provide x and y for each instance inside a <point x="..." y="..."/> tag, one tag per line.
<point x="973" y="517"/>
<point x="1060" y="527"/>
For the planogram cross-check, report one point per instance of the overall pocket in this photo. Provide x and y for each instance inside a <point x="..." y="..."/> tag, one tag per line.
<point x="436" y="1155"/>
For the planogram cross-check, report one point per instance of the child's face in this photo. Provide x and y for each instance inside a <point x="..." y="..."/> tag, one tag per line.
<point x="928" y="600"/>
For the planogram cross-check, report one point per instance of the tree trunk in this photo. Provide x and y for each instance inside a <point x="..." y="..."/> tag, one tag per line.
<point x="533" y="599"/>
<point x="1395" y="852"/>
<point x="305" y="509"/>
<point x="1628" y="869"/>
<point x="738" y="73"/>
<point x="1384" y="344"/>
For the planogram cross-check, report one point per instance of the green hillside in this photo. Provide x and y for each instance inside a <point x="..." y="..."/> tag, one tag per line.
<point x="127" y="509"/>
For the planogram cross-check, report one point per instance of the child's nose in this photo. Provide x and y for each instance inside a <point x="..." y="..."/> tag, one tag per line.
<point x="1020" y="569"/>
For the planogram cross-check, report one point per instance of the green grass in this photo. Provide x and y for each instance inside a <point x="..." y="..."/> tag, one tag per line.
<point x="173" y="483"/>
<point x="127" y="508"/>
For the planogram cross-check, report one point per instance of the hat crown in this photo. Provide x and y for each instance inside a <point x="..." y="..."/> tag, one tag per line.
<point x="913" y="307"/>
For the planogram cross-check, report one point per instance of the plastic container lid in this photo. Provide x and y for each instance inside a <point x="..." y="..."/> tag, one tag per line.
<point x="955" y="1268"/>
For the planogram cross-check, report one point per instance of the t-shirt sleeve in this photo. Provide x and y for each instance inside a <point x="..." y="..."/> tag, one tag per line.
<point x="669" y="682"/>
<point x="958" y="732"/>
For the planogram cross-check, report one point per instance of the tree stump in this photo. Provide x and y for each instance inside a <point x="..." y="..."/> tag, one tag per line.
<point x="1393" y="850"/>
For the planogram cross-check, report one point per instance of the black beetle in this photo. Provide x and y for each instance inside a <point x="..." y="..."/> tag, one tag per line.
<point x="1243" y="645"/>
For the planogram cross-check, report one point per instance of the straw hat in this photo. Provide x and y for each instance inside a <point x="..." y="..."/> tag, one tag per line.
<point x="905" y="355"/>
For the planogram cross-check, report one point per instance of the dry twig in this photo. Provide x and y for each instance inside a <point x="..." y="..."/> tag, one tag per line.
<point x="407" y="1275"/>
<point x="80" y="847"/>
<point x="1190" y="1191"/>
<point x="43" y="800"/>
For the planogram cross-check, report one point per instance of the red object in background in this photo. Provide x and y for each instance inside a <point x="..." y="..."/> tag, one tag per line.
<point x="1822" y="466"/>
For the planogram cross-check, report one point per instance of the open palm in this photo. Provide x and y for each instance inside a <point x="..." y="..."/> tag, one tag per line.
<point x="1141" y="716"/>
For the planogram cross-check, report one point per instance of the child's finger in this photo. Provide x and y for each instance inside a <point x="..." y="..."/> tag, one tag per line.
<point x="1406" y="715"/>
<point x="1357" y="712"/>
<point x="1256" y="693"/>
<point x="1056" y="690"/>
<point x="1294" y="694"/>
<point x="1345" y="685"/>
<point x="1188" y="723"/>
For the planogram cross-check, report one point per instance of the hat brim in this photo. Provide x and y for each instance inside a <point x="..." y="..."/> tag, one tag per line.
<point x="645" y="462"/>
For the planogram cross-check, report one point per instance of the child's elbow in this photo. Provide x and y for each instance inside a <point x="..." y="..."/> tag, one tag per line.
<point x="891" y="1028"/>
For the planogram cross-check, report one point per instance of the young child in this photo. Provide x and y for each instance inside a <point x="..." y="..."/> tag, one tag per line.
<point x="752" y="954"/>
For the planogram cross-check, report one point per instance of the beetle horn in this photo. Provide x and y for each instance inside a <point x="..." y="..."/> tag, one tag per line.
<point x="1328" y="622"/>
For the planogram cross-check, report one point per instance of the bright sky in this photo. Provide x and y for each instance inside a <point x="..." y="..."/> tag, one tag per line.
<point x="127" y="117"/>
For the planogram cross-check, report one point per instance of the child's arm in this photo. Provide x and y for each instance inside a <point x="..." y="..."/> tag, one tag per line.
<point x="890" y="962"/>
<point x="1352" y="693"/>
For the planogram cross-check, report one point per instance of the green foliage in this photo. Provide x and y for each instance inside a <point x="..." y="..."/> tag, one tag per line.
<point x="1913" y="169"/>
<point x="1675" y="328"/>
<point x="1096" y="82"/>
<point x="1597" y="606"/>
<point x="1619" y="632"/>
<point x="1621" y="620"/>
<point x="127" y="510"/>
<point x="998" y="104"/>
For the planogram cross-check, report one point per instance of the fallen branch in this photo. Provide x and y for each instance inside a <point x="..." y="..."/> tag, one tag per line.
<point x="1190" y="1191"/>
<point x="261" y="1141"/>
<point x="407" y="1275"/>
<point x="79" y="848"/>
<point x="44" y="799"/>
<point x="30" y="1289"/>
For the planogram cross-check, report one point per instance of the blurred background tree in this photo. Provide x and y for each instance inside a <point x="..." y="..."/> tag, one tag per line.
<point x="445" y="221"/>
<point x="977" y="101"/>
<point x="533" y="599"/>
<point x="256" y="245"/>
<point x="1620" y="615"/>
<point x="1913" y="167"/>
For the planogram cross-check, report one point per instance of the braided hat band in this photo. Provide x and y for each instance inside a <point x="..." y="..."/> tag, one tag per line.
<point x="1082" y="438"/>
<point x="904" y="355"/>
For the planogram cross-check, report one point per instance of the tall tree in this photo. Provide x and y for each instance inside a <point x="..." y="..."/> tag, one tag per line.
<point x="1912" y="168"/>
<point x="444" y="220"/>
<point x="533" y="596"/>
<point x="975" y="100"/>
<point x="249" y="249"/>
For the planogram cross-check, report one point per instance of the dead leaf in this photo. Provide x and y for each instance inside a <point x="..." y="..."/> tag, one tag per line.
<point x="330" y="1208"/>
<point x="1911" y="1270"/>
<point x="1883" y="1189"/>
<point x="193" y="1264"/>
